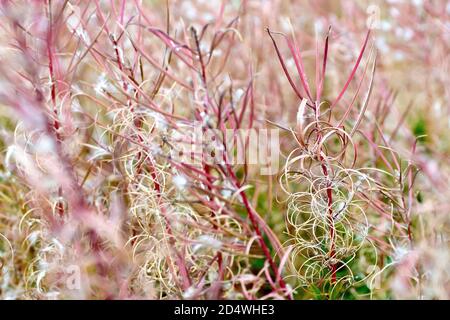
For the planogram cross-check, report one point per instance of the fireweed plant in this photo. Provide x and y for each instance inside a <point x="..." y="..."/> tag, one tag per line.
<point x="329" y="196"/>
<point x="106" y="192"/>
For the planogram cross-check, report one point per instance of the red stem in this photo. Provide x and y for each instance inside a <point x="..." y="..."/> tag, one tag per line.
<point x="263" y="245"/>
<point x="330" y="217"/>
